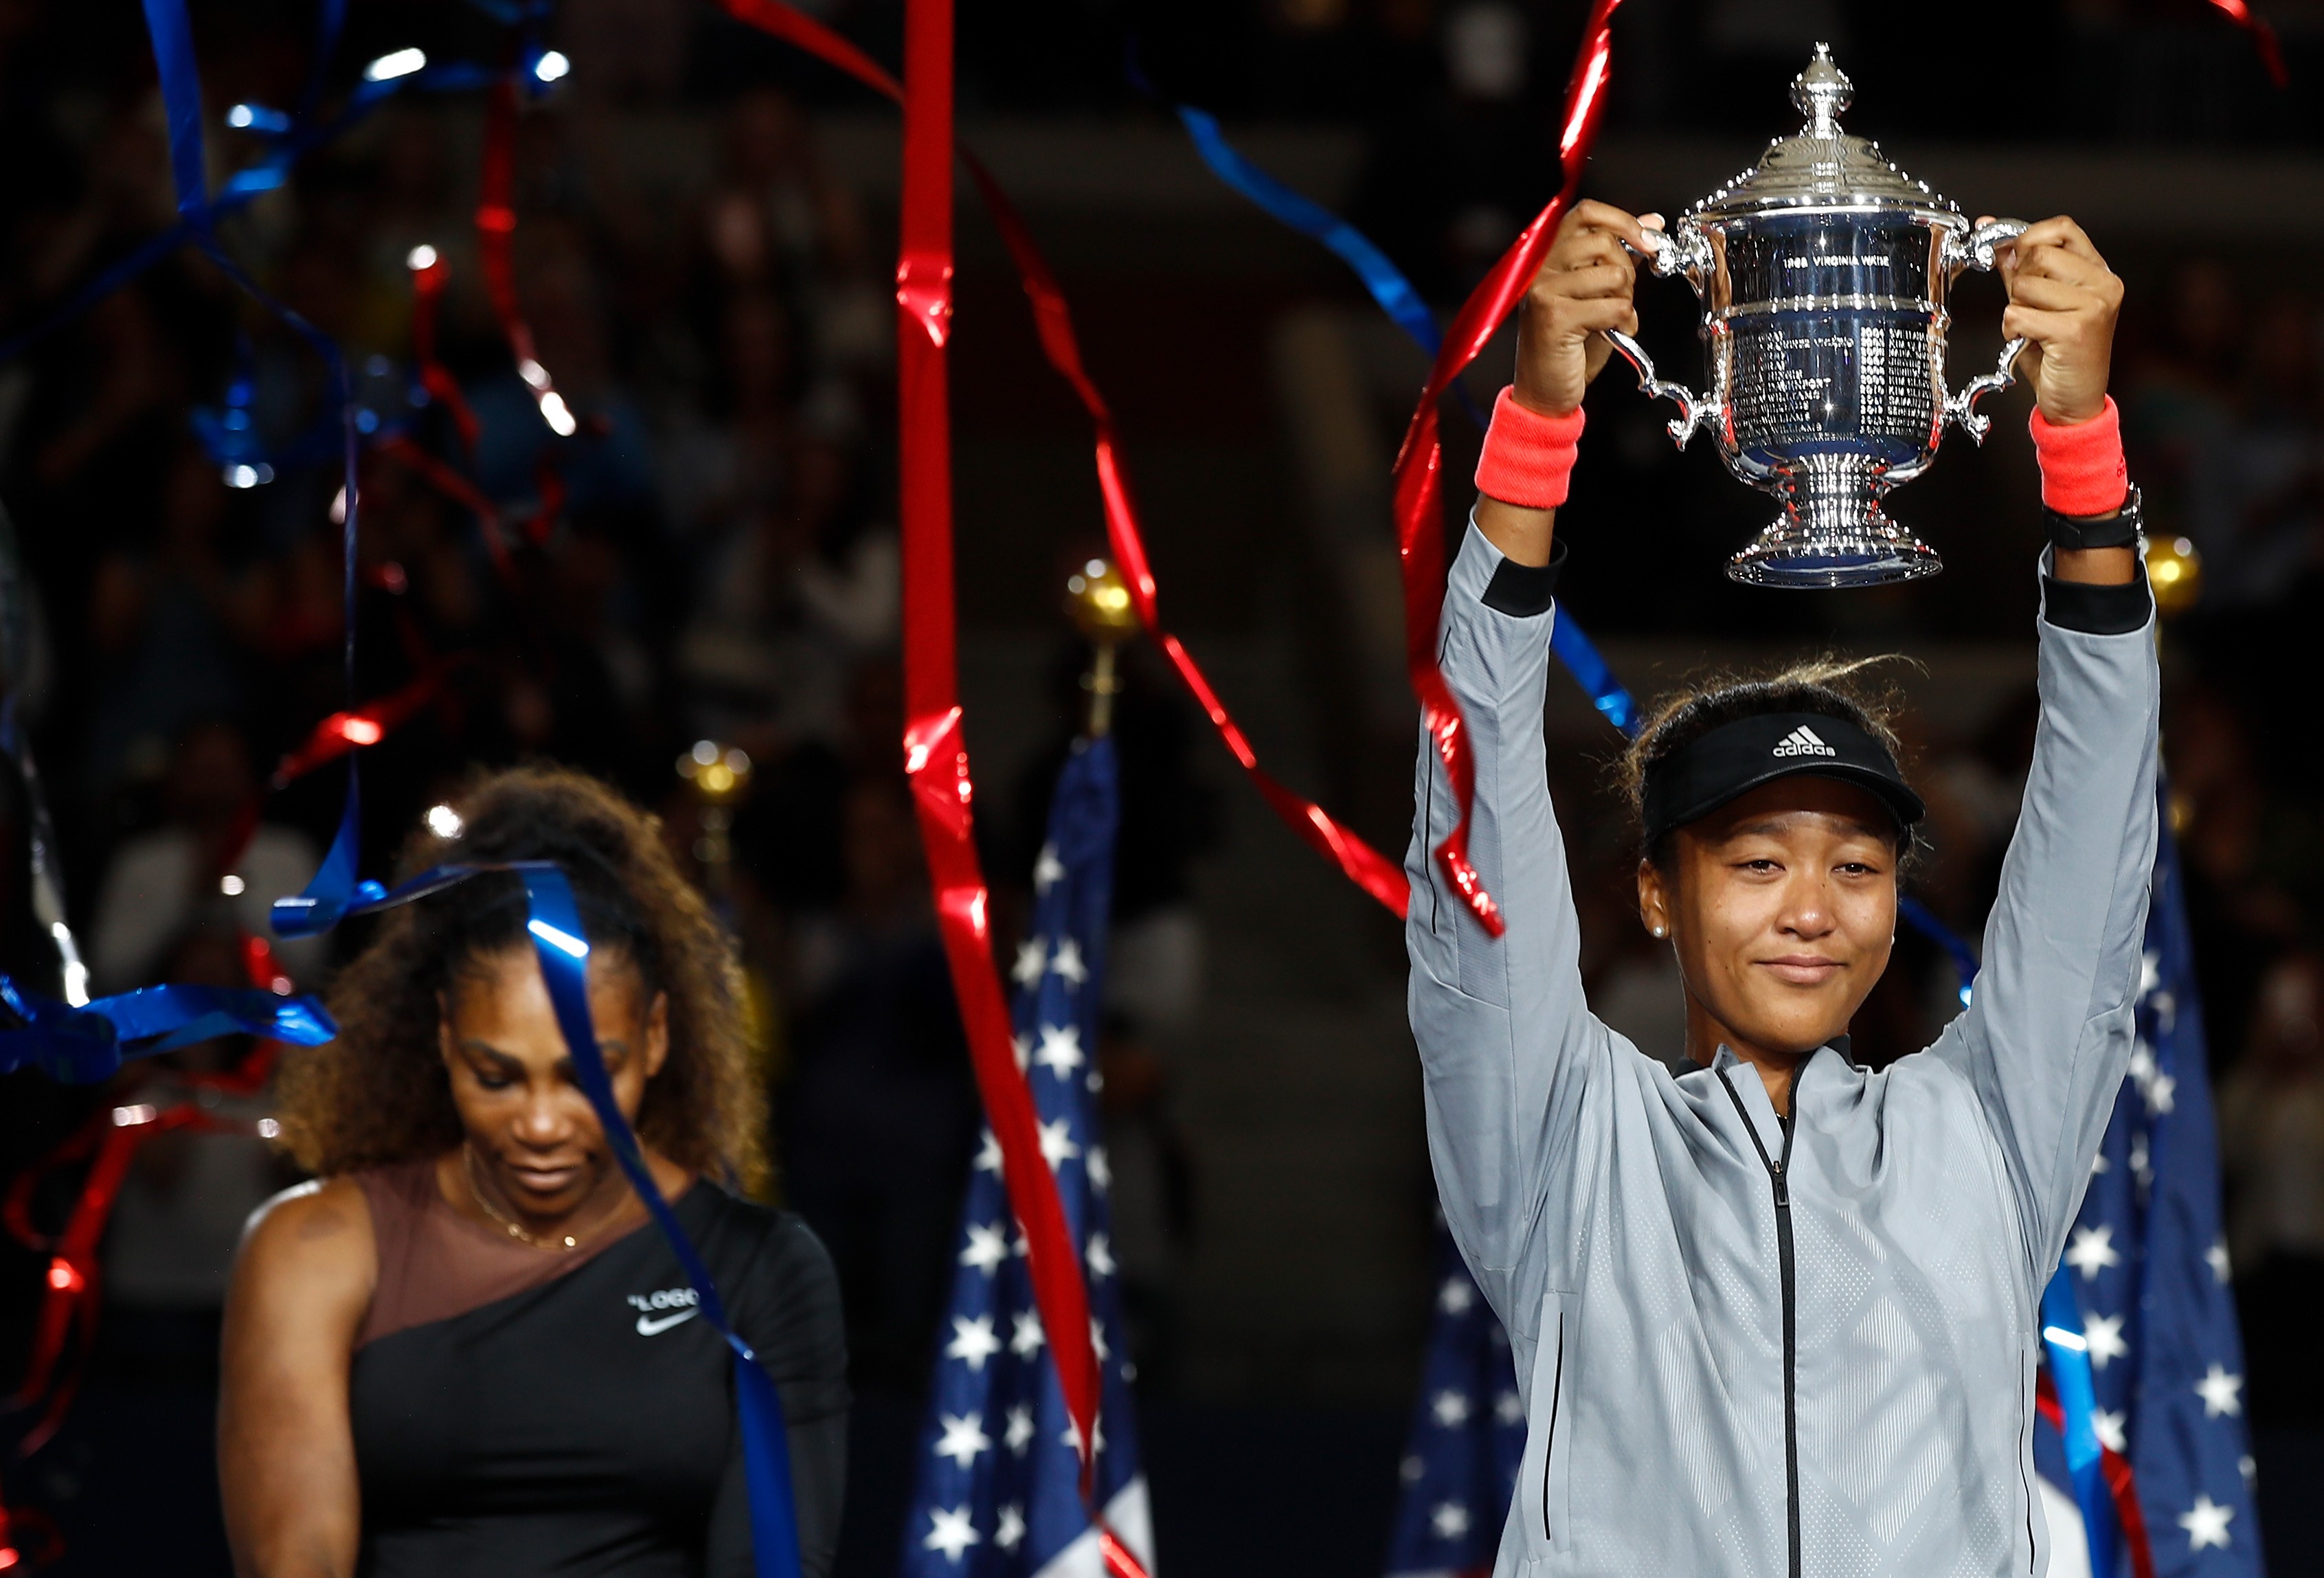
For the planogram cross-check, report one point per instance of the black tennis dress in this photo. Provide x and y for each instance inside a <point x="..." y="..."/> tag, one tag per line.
<point x="519" y="1415"/>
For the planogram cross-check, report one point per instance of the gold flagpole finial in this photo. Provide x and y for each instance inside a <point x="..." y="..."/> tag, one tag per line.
<point x="1098" y="599"/>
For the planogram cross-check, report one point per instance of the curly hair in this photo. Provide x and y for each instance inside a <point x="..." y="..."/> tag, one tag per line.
<point x="1828" y="685"/>
<point x="380" y="1094"/>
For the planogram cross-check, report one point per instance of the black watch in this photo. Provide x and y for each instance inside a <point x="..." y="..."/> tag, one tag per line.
<point x="2075" y="533"/>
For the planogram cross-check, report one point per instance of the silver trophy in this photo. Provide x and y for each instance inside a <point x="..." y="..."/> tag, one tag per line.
<point x="1822" y="271"/>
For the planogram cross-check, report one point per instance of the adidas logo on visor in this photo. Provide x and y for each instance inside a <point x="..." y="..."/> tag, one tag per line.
<point x="1802" y="741"/>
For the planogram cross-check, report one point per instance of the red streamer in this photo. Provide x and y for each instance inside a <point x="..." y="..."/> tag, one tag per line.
<point x="427" y="281"/>
<point x="1365" y="866"/>
<point x="2263" y="37"/>
<point x="1420" y="463"/>
<point x="935" y="758"/>
<point x="496" y="231"/>
<point x="2122" y="1485"/>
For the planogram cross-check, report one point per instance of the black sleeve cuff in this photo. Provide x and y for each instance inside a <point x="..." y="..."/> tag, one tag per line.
<point x="2096" y="610"/>
<point x="1522" y="591"/>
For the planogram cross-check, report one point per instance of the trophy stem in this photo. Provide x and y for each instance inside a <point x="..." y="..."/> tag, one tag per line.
<point x="1833" y="532"/>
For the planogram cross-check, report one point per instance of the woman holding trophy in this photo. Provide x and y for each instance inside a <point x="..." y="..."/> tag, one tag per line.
<point x="1778" y="1315"/>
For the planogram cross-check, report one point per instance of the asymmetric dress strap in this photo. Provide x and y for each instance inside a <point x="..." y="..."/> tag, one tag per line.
<point x="435" y="1263"/>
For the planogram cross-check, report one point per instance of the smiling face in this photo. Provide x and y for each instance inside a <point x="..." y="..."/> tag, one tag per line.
<point x="537" y="1143"/>
<point x="1781" y="906"/>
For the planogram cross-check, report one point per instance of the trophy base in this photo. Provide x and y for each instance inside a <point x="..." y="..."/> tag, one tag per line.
<point x="1833" y="532"/>
<point x="1780" y="558"/>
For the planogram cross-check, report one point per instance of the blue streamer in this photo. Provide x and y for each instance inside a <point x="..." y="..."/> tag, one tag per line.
<point x="1922" y="919"/>
<point x="561" y="945"/>
<point x="1583" y="659"/>
<point x="2070" y="1370"/>
<point x="83" y="1045"/>
<point x="1383" y="279"/>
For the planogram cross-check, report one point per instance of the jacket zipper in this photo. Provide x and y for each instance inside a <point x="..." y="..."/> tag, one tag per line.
<point x="1549" y="1443"/>
<point x="1779" y="1173"/>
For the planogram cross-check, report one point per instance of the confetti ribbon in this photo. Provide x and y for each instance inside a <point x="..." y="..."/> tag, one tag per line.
<point x="935" y="756"/>
<point x="1419" y="477"/>
<point x="2121" y="1487"/>
<point x="561" y="946"/>
<point x="1376" y="874"/>
<point x="495" y="236"/>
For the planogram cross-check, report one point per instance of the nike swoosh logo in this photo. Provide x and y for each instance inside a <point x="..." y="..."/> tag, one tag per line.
<point x="647" y="1327"/>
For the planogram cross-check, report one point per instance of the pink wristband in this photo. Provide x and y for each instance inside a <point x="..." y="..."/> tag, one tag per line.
<point x="1528" y="457"/>
<point x="2082" y="469"/>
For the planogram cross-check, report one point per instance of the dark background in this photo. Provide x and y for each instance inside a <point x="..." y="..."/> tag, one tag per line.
<point x="704" y="230"/>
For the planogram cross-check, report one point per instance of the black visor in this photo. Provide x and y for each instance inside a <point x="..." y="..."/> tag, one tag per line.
<point x="1734" y="759"/>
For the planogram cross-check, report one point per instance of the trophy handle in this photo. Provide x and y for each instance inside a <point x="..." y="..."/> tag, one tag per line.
<point x="1960" y="409"/>
<point x="1692" y="410"/>
<point x="1974" y="248"/>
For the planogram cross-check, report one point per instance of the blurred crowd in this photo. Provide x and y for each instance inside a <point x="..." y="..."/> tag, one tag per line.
<point x="710" y="556"/>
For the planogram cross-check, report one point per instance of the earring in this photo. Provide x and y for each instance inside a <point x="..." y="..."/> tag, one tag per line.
<point x="1662" y="931"/>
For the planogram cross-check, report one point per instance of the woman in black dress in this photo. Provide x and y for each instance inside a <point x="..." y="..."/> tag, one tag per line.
<point x="464" y="1348"/>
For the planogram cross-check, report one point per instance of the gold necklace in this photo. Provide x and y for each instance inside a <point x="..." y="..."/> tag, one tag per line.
<point x="559" y="1242"/>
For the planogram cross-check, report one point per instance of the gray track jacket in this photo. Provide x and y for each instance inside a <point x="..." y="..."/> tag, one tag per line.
<point x="1744" y="1353"/>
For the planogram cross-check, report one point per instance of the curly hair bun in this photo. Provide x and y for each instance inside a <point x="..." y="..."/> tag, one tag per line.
<point x="378" y="1094"/>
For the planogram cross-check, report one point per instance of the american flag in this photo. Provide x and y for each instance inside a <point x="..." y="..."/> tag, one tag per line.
<point x="2148" y="1266"/>
<point x="998" y="1492"/>
<point x="1468" y="1432"/>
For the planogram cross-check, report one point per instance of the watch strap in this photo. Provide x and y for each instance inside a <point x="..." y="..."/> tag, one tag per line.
<point x="2079" y="533"/>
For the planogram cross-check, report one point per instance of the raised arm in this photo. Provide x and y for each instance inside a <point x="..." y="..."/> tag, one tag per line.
<point x="286" y="1443"/>
<point x="2048" y="1032"/>
<point x="1506" y="1040"/>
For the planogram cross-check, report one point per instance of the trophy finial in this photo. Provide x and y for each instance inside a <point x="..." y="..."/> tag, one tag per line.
<point x="1820" y="92"/>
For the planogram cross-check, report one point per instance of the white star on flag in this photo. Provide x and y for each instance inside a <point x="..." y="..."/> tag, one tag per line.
<point x="1028" y="1336"/>
<point x="2161" y="1093"/>
<point x="1029" y="957"/>
<point x="2108" y="1422"/>
<point x="1047" y="869"/>
<point x="2150" y="973"/>
<point x="2217" y="1389"/>
<point x="1019" y="1434"/>
<point x="2104" y="1334"/>
<point x="964" y="1438"/>
<point x="1024" y="1051"/>
<point x="1411" y="1469"/>
<point x="1066" y="962"/>
<point x="1012" y="1527"/>
<point x="1101" y="1176"/>
<point x="2093" y="1249"/>
<point x="1450" y="1521"/>
<point x="1060" y="1050"/>
<point x="987" y="1153"/>
<point x="1097" y="1341"/>
<point x="2216" y="1256"/>
<point x="1071" y="1435"/>
<point x="2206" y="1523"/>
<point x="1100" y="1255"/>
<point x="1450" y="1408"/>
<point x="1058" y="1146"/>
<point x="953" y="1533"/>
<point x="987" y="1248"/>
<point x="1455" y="1296"/>
<point x="972" y="1341"/>
<point x="1508" y="1408"/>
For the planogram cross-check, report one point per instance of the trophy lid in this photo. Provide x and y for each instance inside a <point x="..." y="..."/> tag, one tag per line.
<point x="1821" y="165"/>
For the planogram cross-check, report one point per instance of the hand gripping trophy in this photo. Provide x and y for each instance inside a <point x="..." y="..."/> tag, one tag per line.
<point x="1823" y="271"/>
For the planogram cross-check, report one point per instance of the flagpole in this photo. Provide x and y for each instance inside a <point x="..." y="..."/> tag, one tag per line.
<point x="1098" y="600"/>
